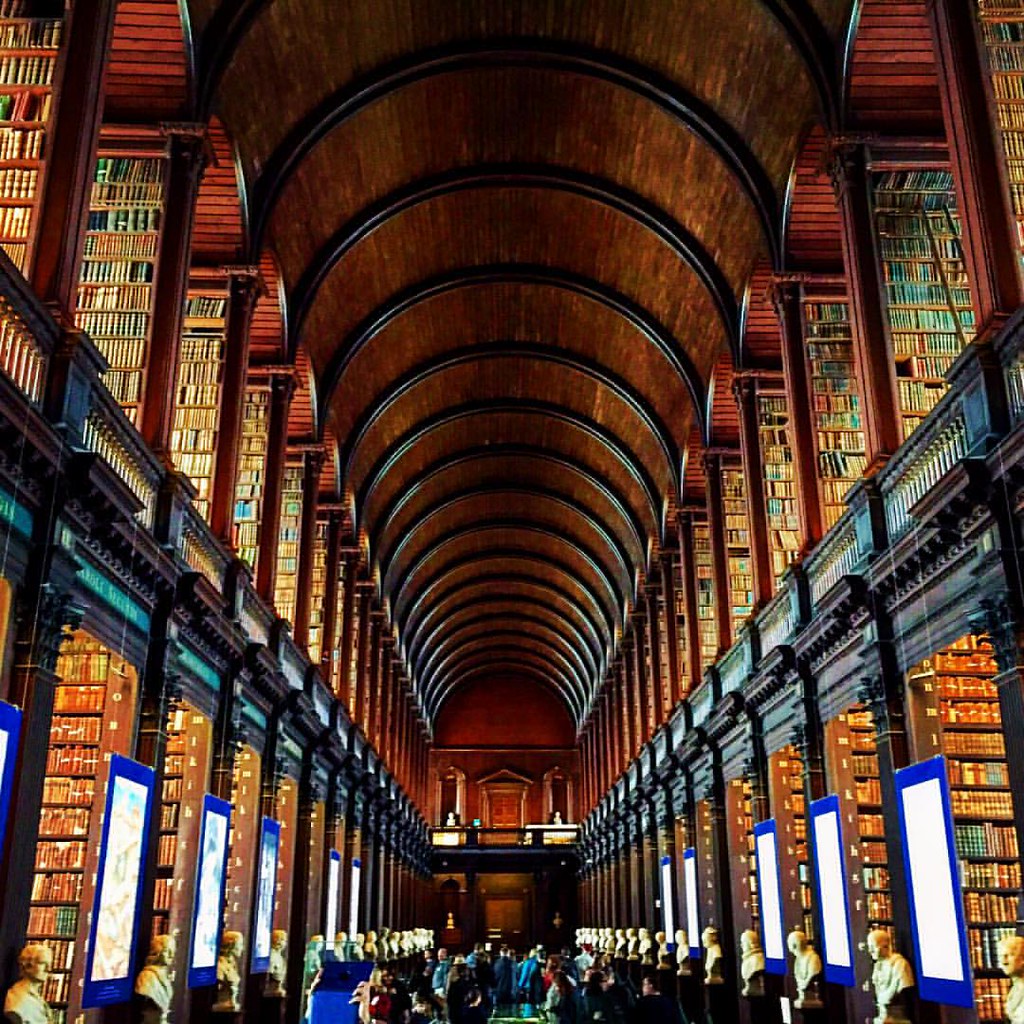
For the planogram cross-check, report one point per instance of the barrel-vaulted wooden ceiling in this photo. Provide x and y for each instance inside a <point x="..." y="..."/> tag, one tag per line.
<point x="514" y="238"/>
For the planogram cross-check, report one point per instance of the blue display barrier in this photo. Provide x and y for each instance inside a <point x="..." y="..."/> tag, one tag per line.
<point x="831" y="893"/>
<point x="330" y="999"/>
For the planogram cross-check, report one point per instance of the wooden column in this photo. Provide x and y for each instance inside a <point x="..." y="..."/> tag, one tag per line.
<point x="62" y="201"/>
<point x="621" y="732"/>
<point x="689" y="581"/>
<point x="186" y="161"/>
<point x="243" y="291"/>
<point x="644" y="693"/>
<point x="630" y="693"/>
<point x="314" y="462"/>
<point x="745" y="390"/>
<point x="661" y="686"/>
<point x="990" y="245"/>
<point x="384" y="706"/>
<point x="282" y="389"/>
<point x="369" y="703"/>
<point x="349" y="561"/>
<point x="868" y="323"/>
<point x="363" y="588"/>
<point x="332" y="568"/>
<point x="674" y="682"/>
<point x="719" y="558"/>
<point x="788" y="299"/>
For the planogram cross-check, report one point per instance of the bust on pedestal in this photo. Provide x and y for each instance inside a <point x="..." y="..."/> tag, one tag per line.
<point x="155" y="983"/>
<point x="278" y="969"/>
<point x="806" y="971"/>
<point x="24" y="1003"/>
<point x="891" y="977"/>
<point x="644" y="946"/>
<point x="632" y="944"/>
<point x="1011" y="960"/>
<point x="229" y="977"/>
<point x="713" y="957"/>
<point x="683" y="967"/>
<point x="751" y="964"/>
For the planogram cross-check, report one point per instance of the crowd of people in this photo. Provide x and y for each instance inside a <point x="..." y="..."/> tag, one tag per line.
<point x="557" y="988"/>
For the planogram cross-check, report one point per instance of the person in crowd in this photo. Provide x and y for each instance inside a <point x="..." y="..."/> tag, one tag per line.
<point x="484" y="976"/>
<point x="504" y="978"/>
<point x="569" y="965"/>
<point x="621" y="997"/>
<point x="373" y="1001"/>
<point x="597" y="1006"/>
<point x="473" y="1011"/>
<point x="423" y="1010"/>
<point x="560" y="1002"/>
<point x="552" y="965"/>
<point x="654" y="1008"/>
<point x="459" y="984"/>
<point x="528" y="982"/>
<point x="439" y="979"/>
<point x="401" y="1001"/>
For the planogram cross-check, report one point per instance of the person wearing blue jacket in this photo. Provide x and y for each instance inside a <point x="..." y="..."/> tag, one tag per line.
<point x="529" y="978"/>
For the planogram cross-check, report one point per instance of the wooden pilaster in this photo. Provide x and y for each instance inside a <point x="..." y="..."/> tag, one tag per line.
<point x="674" y="682"/>
<point x="282" y="389"/>
<point x="661" y="686"/>
<point x="686" y="563"/>
<point x="243" y="292"/>
<point x="314" y="461"/>
<point x="745" y="390"/>
<point x="186" y="162"/>
<point x="329" y="655"/>
<point x="719" y="556"/>
<point x="63" y="200"/>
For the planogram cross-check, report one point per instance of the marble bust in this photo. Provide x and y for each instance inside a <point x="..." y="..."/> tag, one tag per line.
<point x="278" y="968"/>
<point x="155" y="983"/>
<point x="713" y="957"/>
<point x="631" y="944"/>
<point x="644" y="946"/>
<point x="751" y="964"/>
<point x="806" y="970"/>
<point x="663" y="953"/>
<point x="682" y="953"/>
<point x="229" y="975"/>
<point x="1011" y="960"/>
<point x="24" y="1003"/>
<point x="621" y="946"/>
<point x="891" y="975"/>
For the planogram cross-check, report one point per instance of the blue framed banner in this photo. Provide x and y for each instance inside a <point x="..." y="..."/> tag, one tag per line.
<point x="211" y="879"/>
<point x="110" y="966"/>
<point x="933" y="885"/>
<point x="10" y="731"/>
<point x="692" y="910"/>
<point x="333" y="884"/>
<point x="353" y="898"/>
<point x="668" y="919"/>
<point x="769" y="888"/>
<point x="266" y="885"/>
<point x="831" y="893"/>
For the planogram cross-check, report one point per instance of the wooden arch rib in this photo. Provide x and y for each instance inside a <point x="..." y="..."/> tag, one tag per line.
<point x="490" y="667"/>
<point x="594" y="432"/>
<point x="487" y="586"/>
<point x="647" y="418"/>
<point x="232" y="20"/>
<point x="529" y="564"/>
<point x="683" y="243"/>
<point x="378" y="525"/>
<point x="392" y="557"/>
<point x="498" y="607"/>
<point x="471" y="277"/>
<point x="508" y="639"/>
<point x="689" y="111"/>
<point x="510" y="654"/>
<point x="612" y="596"/>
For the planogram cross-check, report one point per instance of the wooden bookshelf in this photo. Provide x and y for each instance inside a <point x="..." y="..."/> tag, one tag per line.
<point x="704" y="572"/>
<point x="286" y="808"/>
<point x="115" y="291"/>
<point x="743" y="872"/>
<point x="1002" y="35"/>
<point x="172" y="787"/>
<point x="956" y="687"/>
<point x="786" y="781"/>
<point x="286" y="581"/>
<point x="927" y="291"/>
<point x="30" y="40"/>
<point x="851" y="761"/>
<point x="92" y="717"/>
<point x="737" y="539"/>
<point x="243" y="840"/>
<point x="197" y="402"/>
<point x="252" y="474"/>
<point x="318" y="588"/>
<point x="778" y="469"/>
<point x="835" y="403"/>
<point x="677" y="626"/>
<point x="352" y="683"/>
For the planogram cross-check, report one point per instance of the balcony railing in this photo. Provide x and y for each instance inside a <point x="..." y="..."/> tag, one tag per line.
<point x="474" y="837"/>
